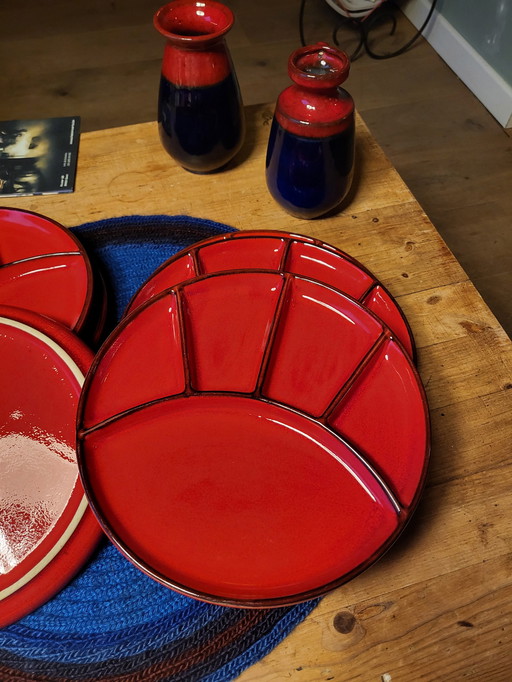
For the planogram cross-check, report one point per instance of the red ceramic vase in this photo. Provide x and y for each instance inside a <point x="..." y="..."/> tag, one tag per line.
<point x="200" y="113"/>
<point x="310" y="154"/>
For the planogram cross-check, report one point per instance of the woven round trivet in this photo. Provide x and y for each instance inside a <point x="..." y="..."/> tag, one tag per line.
<point x="112" y="622"/>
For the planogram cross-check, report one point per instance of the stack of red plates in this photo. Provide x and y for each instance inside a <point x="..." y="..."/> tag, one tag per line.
<point x="48" y="296"/>
<point x="254" y="431"/>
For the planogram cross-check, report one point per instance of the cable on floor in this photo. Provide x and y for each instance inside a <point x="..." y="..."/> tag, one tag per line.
<point x="363" y="27"/>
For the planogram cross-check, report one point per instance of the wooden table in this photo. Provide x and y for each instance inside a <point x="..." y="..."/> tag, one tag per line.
<point x="438" y="606"/>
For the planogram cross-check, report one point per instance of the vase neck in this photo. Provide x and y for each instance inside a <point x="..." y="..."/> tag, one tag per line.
<point x="196" y="68"/>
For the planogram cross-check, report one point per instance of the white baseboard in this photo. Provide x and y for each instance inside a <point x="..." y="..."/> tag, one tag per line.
<point x="490" y="88"/>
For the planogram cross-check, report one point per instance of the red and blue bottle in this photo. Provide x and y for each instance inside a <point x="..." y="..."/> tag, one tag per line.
<point x="200" y="112"/>
<point x="310" y="155"/>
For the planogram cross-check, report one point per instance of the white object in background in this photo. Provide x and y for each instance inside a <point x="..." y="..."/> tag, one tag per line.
<point x="491" y="89"/>
<point x="354" y="9"/>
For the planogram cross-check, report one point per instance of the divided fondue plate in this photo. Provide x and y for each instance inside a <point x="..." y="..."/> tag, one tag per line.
<point x="283" y="252"/>
<point x="253" y="438"/>
<point x="45" y="269"/>
<point x="47" y="529"/>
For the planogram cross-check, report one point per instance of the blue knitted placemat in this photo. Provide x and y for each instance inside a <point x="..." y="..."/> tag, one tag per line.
<point x="112" y="622"/>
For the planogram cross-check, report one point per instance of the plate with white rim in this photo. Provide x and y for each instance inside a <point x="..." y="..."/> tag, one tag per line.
<point x="47" y="529"/>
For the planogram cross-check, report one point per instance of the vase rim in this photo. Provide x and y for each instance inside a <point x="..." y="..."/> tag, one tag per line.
<point x="185" y="21"/>
<point x="318" y="66"/>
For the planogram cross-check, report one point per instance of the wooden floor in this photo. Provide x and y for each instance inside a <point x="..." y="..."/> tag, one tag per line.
<point x="100" y="59"/>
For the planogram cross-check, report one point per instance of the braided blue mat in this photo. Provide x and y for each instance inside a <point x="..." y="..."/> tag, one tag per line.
<point x="112" y="622"/>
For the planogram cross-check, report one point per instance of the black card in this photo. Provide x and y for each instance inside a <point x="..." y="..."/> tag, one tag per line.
<point x="38" y="156"/>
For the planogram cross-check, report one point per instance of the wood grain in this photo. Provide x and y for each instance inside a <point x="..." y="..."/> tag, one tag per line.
<point x="438" y="605"/>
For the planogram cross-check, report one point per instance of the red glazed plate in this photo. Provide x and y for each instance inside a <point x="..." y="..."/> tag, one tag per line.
<point x="45" y="269"/>
<point x="283" y="252"/>
<point x="46" y="527"/>
<point x="252" y="438"/>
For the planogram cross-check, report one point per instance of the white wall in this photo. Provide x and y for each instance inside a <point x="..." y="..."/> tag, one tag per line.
<point x="464" y="58"/>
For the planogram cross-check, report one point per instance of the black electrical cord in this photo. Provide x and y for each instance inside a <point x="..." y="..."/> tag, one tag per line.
<point x="407" y="45"/>
<point x="364" y="26"/>
<point x="360" y="45"/>
<point x="301" y="22"/>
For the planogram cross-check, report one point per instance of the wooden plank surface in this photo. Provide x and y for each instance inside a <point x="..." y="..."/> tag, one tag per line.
<point x="101" y="60"/>
<point x="438" y="606"/>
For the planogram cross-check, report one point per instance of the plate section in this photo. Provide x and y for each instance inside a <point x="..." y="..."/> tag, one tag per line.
<point x="283" y="252"/>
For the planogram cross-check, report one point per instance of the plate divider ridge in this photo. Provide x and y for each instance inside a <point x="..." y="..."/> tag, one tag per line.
<point x="349" y="383"/>
<point x="272" y="334"/>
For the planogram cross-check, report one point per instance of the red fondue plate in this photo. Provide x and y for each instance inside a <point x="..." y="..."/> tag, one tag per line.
<point x="44" y="268"/>
<point x="252" y="438"/>
<point x="284" y="252"/>
<point x="46" y="527"/>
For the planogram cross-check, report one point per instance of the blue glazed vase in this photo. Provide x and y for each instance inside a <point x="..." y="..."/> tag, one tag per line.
<point x="310" y="154"/>
<point x="200" y="111"/>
